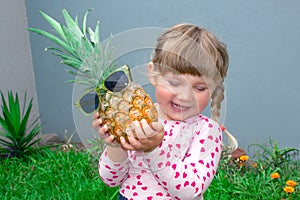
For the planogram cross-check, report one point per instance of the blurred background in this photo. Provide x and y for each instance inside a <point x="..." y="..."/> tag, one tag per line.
<point x="262" y="38"/>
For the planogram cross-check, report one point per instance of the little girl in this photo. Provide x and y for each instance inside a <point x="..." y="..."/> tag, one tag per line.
<point x="177" y="157"/>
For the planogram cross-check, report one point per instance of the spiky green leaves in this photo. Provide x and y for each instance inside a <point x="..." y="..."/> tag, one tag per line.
<point x="18" y="136"/>
<point x="79" y="48"/>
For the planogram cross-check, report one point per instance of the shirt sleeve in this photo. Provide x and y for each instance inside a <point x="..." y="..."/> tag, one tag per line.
<point x="185" y="166"/>
<point x="112" y="173"/>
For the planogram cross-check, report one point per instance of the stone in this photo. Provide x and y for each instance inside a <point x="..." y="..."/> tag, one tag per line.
<point x="49" y="139"/>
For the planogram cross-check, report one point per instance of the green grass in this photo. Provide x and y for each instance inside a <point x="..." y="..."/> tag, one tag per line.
<point x="73" y="175"/>
<point x="253" y="181"/>
<point x="52" y="175"/>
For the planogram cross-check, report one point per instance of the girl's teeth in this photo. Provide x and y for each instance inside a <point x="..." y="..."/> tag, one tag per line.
<point x="179" y="107"/>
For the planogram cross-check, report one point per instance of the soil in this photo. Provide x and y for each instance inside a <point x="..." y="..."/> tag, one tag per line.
<point x="52" y="140"/>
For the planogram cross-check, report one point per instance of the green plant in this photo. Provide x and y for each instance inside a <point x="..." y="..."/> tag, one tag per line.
<point x="53" y="174"/>
<point x="255" y="180"/>
<point x="17" y="135"/>
<point x="73" y="174"/>
<point x="272" y="155"/>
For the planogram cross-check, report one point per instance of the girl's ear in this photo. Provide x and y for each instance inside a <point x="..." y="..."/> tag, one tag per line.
<point x="152" y="73"/>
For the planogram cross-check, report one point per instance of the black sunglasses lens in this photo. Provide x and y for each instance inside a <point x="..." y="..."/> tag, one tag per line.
<point x="89" y="102"/>
<point x="117" y="81"/>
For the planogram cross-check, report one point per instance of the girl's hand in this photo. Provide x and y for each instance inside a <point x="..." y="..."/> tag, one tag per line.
<point x="146" y="137"/>
<point x="104" y="135"/>
<point x="115" y="151"/>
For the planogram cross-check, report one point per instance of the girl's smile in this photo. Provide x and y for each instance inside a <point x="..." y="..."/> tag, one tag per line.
<point x="178" y="108"/>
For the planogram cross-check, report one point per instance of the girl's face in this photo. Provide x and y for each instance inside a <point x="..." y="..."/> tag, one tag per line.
<point x="180" y="96"/>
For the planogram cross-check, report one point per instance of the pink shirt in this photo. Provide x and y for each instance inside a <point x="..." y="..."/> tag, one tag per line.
<point x="182" y="167"/>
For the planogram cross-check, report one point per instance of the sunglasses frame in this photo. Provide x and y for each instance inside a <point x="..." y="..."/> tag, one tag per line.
<point x="102" y="89"/>
<point x="125" y="69"/>
<point x="78" y="105"/>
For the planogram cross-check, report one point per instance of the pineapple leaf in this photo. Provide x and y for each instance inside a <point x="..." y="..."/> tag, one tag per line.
<point x="96" y="37"/>
<point x="84" y="30"/>
<point x="72" y="25"/>
<point x="55" y="25"/>
<point x="54" y="49"/>
<point x="80" y="48"/>
<point x="82" y="82"/>
<point x="86" y="48"/>
<point x="73" y="40"/>
<point x="77" y="74"/>
<point x="109" y="52"/>
<point x="72" y="62"/>
<point x="91" y="34"/>
<point x="71" y="81"/>
<point x="54" y="39"/>
<point x="88" y="45"/>
<point x="85" y="70"/>
<point x="71" y="72"/>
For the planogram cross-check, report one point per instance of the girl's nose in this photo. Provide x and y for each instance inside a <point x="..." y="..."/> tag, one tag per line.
<point x="185" y="94"/>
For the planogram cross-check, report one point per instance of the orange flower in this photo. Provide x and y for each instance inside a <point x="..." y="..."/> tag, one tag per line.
<point x="254" y="165"/>
<point x="289" y="189"/>
<point x="291" y="183"/>
<point x="244" y="158"/>
<point x="275" y="175"/>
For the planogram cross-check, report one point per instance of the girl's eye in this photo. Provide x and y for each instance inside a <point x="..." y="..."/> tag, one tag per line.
<point x="173" y="83"/>
<point x="200" y="88"/>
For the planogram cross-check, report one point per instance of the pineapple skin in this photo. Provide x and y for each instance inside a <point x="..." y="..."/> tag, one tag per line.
<point x="119" y="109"/>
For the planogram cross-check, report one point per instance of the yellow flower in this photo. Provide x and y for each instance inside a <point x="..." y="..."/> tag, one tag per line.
<point x="275" y="175"/>
<point x="291" y="183"/>
<point x="244" y="158"/>
<point x="289" y="189"/>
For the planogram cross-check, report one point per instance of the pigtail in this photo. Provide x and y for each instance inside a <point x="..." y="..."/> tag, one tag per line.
<point x="216" y="99"/>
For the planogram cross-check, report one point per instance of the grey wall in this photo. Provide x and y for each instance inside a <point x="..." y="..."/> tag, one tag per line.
<point x="16" y="72"/>
<point x="263" y="37"/>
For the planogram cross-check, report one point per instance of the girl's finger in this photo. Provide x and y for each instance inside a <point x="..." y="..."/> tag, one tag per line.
<point x="134" y="143"/>
<point x="138" y="130"/>
<point x="102" y="132"/>
<point x="96" y="115"/>
<point x="96" y="124"/>
<point x="126" y="145"/>
<point x="109" y="139"/>
<point x="148" y="131"/>
<point x="157" y="126"/>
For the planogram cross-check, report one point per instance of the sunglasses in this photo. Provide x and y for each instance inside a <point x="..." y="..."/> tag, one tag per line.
<point x="117" y="81"/>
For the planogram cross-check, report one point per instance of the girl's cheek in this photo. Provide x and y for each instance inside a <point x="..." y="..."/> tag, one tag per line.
<point x="163" y="94"/>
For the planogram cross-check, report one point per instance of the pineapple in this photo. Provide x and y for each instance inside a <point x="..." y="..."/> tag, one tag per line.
<point x="90" y="60"/>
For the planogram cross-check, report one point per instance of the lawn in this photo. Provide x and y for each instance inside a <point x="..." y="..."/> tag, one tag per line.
<point x="52" y="175"/>
<point x="256" y="180"/>
<point x="72" y="174"/>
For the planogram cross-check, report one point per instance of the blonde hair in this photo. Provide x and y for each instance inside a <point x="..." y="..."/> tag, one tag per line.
<point x="188" y="49"/>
